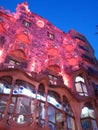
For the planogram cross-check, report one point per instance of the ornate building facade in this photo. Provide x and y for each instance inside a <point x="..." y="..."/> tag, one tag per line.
<point x="48" y="78"/>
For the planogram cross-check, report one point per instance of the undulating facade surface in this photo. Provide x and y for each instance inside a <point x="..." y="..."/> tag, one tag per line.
<point x="48" y="78"/>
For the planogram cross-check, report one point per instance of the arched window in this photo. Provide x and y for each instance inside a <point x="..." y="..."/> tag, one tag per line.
<point x="23" y="102"/>
<point x="88" y="118"/>
<point x="81" y="86"/>
<point x="69" y="115"/>
<point x="55" y="115"/>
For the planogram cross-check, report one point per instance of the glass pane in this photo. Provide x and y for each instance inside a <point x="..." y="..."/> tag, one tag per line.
<point x="78" y="87"/>
<point x="51" y="114"/>
<point x="69" y="122"/>
<point x="32" y="106"/>
<point x="3" y="100"/>
<point x="20" y="119"/>
<point x="23" y="105"/>
<point x="94" y="125"/>
<point x="87" y="112"/>
<point x="24" y="88"/>
<point x="67" y="107"/>
<point x="12" y="104"/>
<point x="84" y="88"/>
<point x="51" y="126"/>
<point x="40" y="114"/>
<point x="86" y="125"/>
<point x="4" y="88"/>
<point x="54" y="102"/>
<point x="59" y="120"/>
<point x="41" y="110"/>
<point x="79" y="79"/>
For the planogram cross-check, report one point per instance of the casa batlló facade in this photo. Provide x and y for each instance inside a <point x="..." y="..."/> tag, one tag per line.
<point x="48" y="78"/>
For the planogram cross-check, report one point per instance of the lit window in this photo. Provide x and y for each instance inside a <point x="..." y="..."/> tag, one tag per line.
<point x="20" y="119"/>
<point x="79" y="79"/>
<point x="87" y="111"/>
<point x="50" y="35"/>
<point x="80" y="86"/>
<point x="53" y="80"/>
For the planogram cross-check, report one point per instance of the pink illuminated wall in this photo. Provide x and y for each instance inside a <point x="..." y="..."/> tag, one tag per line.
<point x="32" y="39"/>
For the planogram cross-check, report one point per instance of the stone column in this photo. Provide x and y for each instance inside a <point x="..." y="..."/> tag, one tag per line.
<point x="35" y="107"/>
<point x="8" y="102"/>
<point x="64" y="114"/>
<point x="46" y="108"/>
<point x="77" y="114"/>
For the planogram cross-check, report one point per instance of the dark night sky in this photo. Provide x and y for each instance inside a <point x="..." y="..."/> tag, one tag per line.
<point x="81" y="15"/>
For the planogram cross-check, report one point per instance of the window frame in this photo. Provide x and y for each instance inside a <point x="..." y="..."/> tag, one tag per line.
<point x="80" y="86"/>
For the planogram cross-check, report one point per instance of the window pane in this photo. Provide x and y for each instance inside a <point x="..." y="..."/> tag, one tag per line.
<point x="41" y="110"/>
<point x="24" y="88"/>
<point x="87" y="112"/>
<point x="21" y="119"/>
<point x="79" y="79"/>
<point x="78" y="87"/>
<point x="51" y="114"/>
<point x="32" y="106"/>
<point x="84" y="88"/>
<point x="94" y="125"/>
<point x="59" y="120"/>
<point x="3" y="100"/>
<point x="4" y="88"/>
<point x="22" y="105"/>
<point x="69" y="122"/>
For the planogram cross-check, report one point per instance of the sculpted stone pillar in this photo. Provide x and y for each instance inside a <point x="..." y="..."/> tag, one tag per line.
<point x="64" y="114"/>
<point x="35" y="107"/>
<point x="46" y="109"/>
<point x="77" y="114"/>
<point x="5" y="120"/>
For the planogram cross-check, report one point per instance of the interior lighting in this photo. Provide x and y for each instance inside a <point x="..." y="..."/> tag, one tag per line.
<point x="85" y="112"/>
